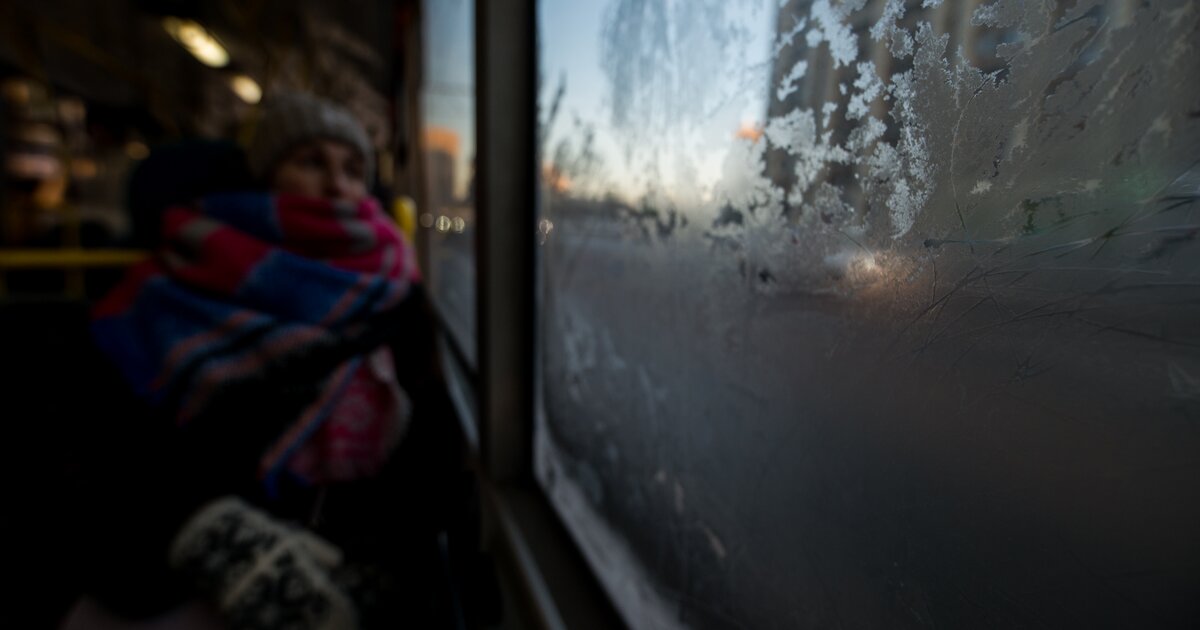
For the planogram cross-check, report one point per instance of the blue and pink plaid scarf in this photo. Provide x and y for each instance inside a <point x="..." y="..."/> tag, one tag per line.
<point x="248" y="281"/>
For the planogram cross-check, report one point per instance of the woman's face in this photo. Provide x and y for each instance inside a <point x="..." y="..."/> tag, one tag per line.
<point x="322" y="168"/>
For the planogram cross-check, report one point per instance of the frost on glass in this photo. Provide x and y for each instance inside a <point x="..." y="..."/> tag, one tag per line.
<point x="874" y="313"/>
<point x="447" y="145"/>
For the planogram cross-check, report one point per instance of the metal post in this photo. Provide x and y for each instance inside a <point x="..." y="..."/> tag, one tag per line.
<point x="505" y="115"/>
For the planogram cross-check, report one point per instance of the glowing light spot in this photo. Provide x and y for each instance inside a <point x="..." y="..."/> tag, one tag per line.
<point x="198" y="41"/>
<point x="246" y="88"/>
<point x="137" y="150"/>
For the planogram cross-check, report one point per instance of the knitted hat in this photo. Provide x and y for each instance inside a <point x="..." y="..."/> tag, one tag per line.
<point x="289" y="118"/>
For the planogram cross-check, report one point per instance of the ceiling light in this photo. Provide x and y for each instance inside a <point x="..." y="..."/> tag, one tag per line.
<point x="197" y="41"/>
<point x="246" y="88"/>
<point x="137" y="150"/>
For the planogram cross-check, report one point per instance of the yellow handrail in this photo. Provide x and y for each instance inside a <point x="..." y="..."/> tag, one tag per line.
<point x="404" y="211"/>
<point x="73" y="258"/>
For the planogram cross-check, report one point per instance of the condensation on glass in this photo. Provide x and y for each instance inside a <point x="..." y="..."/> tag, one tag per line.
<point x="874" y="313"/>
<point x="448" y="147"/>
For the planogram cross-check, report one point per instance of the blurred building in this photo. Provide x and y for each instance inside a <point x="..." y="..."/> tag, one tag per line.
<point x="442" y="154"/>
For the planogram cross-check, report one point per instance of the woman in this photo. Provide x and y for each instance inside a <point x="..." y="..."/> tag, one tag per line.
<point x="279" y="352"/>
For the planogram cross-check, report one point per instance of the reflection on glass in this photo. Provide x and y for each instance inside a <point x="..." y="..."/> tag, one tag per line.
<point x="448" y="144"/>
<point x="841" y="296"/>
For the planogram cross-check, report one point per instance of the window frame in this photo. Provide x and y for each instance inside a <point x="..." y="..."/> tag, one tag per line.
<point x="555" y="586"/>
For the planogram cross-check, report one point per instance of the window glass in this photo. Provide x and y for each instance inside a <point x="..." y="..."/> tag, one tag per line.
<point x="874" y="313"/>
<point x="448" y="143"/>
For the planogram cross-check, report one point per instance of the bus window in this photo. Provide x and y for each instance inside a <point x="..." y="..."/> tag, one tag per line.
<point x="873" y="313"/>
<point x="448" y="148"/>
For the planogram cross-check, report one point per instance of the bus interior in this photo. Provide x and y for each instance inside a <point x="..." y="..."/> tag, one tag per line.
<point x="746" y="314"/>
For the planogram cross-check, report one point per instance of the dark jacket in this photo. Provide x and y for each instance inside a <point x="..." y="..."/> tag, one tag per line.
<point x="110" y="480"/>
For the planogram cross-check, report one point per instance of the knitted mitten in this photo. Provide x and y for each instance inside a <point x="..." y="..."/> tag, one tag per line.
<point x="261" y="573"/>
